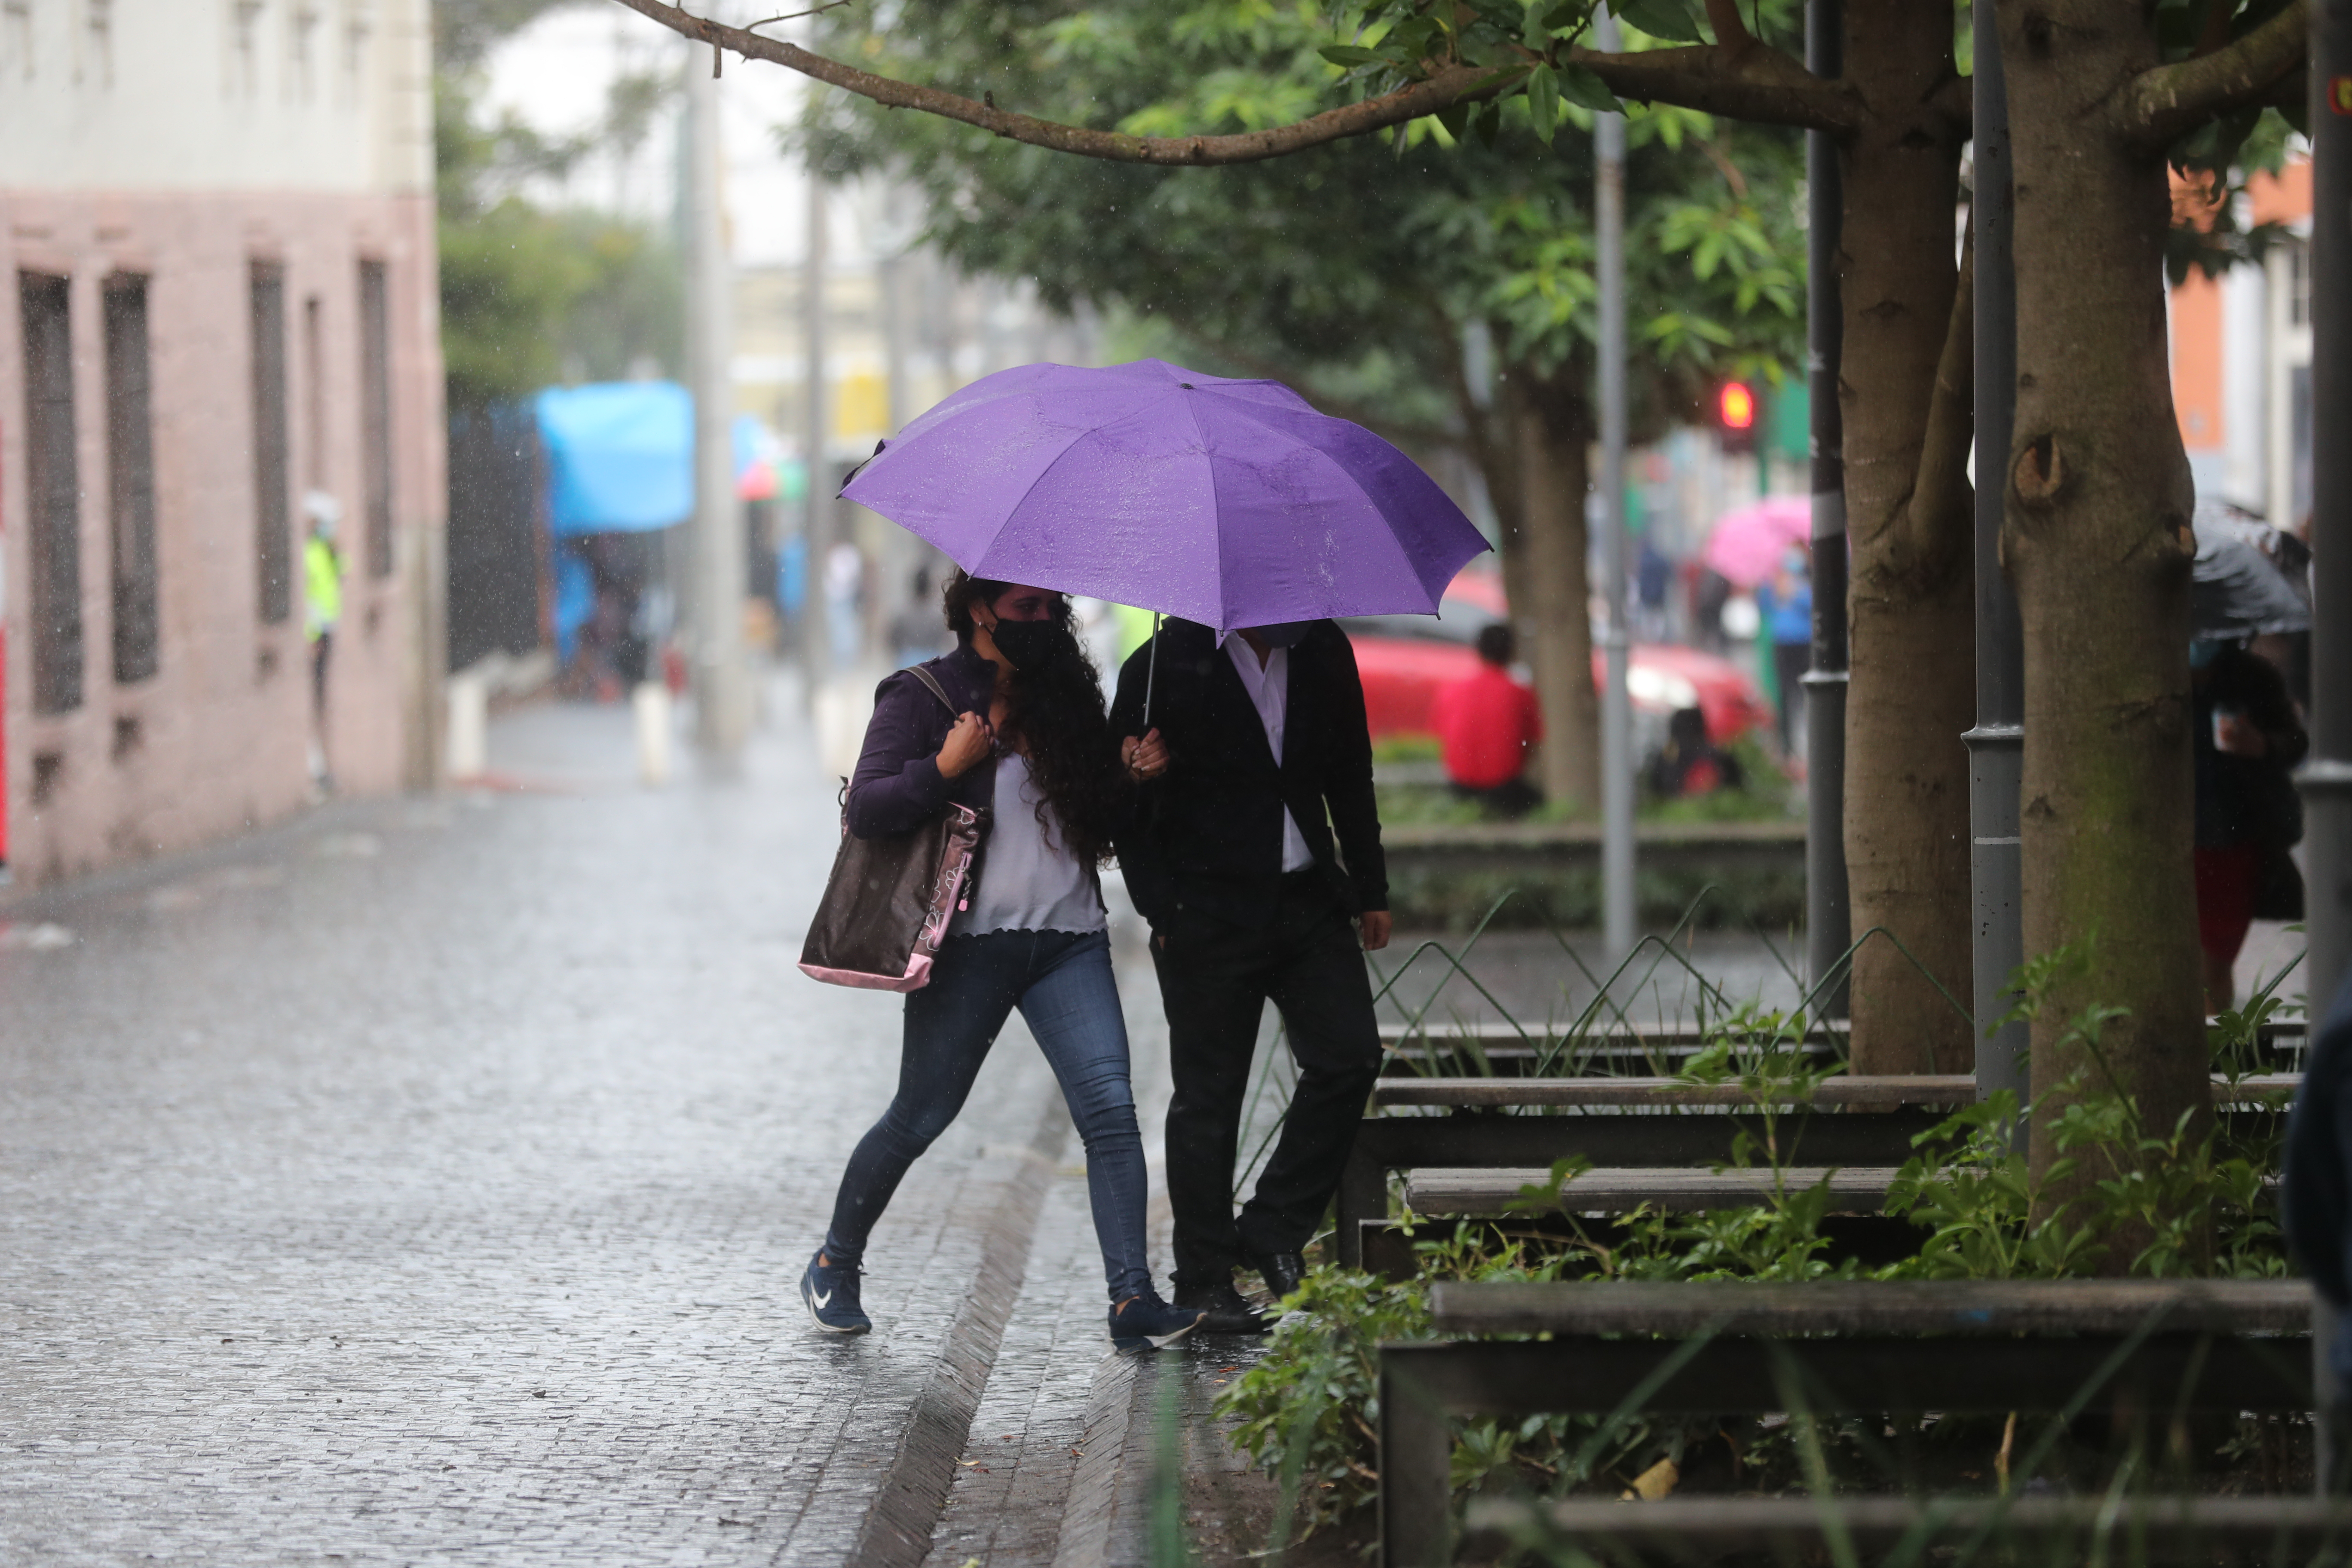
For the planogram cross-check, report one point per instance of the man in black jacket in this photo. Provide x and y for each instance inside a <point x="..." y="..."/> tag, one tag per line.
<point x="1232" y="860"/>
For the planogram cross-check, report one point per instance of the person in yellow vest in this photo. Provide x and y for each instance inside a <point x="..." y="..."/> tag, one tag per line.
<point x="322" y="599"/>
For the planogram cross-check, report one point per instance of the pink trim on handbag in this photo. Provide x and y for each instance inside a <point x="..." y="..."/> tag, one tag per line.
<point x="918" y="975"/>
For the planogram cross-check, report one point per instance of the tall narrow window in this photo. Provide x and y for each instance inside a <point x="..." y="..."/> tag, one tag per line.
<point x="273" y="519"/>
<point x="131" y="477"/>
<point x="375" y="415"/>
<point x="314" y="395"/>
<point x="53" y="489"/>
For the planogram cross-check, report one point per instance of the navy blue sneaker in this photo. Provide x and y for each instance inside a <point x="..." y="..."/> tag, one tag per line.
<point x="829" y="1290"/>
<point x="1146" y="1319"/>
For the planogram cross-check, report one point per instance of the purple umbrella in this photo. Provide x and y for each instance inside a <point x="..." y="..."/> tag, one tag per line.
<point x="1233" y="503"/>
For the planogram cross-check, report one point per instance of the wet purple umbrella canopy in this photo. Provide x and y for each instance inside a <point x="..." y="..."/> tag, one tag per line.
<point x="1233" y="503"/>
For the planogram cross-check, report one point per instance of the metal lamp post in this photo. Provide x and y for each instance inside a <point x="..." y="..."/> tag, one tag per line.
<point x="1996" y="745"/>
<point x="1616" y="710"/>
<point x="1829" y="920"/>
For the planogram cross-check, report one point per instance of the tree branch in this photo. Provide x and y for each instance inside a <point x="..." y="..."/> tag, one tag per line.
<point x="1744" y="80"/>
<point x="2162" y="104"/>
<point x="1730" y="27"/>
<point x="1757" y="83"/>
<point x="1941" y="510"/>
<point x="1955" y="98"/>
<point x="1447" y="86"/>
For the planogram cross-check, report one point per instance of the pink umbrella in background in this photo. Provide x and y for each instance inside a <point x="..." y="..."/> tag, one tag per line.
<point x="1747" y="545"/>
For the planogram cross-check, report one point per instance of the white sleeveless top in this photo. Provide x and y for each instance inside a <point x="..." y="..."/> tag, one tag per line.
<point x="1028" y="881"/>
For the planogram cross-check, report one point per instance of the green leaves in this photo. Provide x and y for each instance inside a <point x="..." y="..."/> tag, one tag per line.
<point x="1668" y="19"/>
<point x="1543" y="101"/>
<point x="1354" y="55"/>
<point x="1586" y="90"/>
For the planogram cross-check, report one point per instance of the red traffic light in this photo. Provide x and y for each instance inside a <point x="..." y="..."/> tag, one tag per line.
<point x="1736" y="406"/>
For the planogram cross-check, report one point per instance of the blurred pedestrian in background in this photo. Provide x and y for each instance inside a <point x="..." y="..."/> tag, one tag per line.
<point x="1690" y="763"/>
<point x="1488" y="725"/>
<point x="1785" y="600"/>
<point x="1016" y="730"/>
<point x="845" y="604"/>
<point x="1653" y="578"/>
<point x="1710" y="591"/>
<point x="917" y="632"/>
<point x="2246" y="739"/>
<point x="323" y="600"/>
<point x="1232" y="862"/>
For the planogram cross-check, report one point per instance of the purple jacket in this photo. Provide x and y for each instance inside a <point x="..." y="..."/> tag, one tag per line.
<point x="898" y="786"/>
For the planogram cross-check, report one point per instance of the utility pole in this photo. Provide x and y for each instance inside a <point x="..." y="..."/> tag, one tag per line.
<point x="722" y="683"/>
<point x="816" y="527"/>
<point x="1829" y="917"/>
<point x="1616" y="712"/>
<point x="1996" y="745"/>
<point x="2327" y="778"/>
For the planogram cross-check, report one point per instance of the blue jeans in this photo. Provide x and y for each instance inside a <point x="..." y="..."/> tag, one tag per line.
<point x="1062" y="983"/>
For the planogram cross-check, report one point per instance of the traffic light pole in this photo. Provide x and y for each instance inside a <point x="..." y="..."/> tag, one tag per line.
<point x="1829" y="923"/>
<point x="2327" y="778"/>
<point x="1996" y="745"/>
<point x="1617" y="906"/>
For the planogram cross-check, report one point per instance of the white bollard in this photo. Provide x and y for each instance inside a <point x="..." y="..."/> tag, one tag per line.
<point x="469" y="726"/>
<point x="651" y="702"/>
<point x="843" y="704"/>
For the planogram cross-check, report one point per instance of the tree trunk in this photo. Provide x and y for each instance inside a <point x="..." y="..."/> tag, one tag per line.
<point x="2097" y="541"/>
<point x="1911" y="691"/>
<point x="1550" y="424"/>
<point x="1493" y="434"/>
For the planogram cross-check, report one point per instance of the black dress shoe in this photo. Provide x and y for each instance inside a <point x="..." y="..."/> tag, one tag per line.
<point x="1280" y="1270"/>
<point x="1227" y="1312"/>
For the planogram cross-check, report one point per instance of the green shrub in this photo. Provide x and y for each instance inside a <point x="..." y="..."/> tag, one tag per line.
<point x="1307" y="1411"/>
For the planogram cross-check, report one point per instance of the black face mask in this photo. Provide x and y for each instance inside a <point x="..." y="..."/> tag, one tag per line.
<point x="1032" y="644"/>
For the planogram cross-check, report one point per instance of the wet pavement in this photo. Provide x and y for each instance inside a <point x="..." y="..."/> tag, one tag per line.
<point x="430" y="1179"/>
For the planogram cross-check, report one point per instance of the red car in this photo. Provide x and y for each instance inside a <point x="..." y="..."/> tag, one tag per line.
<point x="1405" y="659"/>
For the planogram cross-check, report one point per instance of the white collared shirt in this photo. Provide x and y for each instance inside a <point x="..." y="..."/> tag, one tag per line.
<point x="1270" y="693"/>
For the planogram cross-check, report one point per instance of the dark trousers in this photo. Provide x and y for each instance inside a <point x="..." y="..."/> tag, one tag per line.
<point x="1215" y="979"/>
<point x="1062" y="983"/>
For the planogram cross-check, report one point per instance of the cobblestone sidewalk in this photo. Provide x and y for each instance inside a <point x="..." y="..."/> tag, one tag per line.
<point x="428" y="1182"/>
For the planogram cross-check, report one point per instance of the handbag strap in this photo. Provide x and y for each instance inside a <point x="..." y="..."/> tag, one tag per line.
<point x="927" y="679"/>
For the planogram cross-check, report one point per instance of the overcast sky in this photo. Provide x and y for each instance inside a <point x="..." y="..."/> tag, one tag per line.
<point x="554" y="76"/>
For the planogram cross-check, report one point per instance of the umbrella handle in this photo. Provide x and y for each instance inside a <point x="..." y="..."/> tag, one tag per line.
<point x="1151" y="672"/>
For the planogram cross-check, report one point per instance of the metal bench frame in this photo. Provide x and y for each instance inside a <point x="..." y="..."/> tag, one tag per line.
<point x="2232" y="1351"/>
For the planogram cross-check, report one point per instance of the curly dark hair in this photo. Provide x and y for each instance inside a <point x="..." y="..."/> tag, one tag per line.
<point x="1055" y="716"/>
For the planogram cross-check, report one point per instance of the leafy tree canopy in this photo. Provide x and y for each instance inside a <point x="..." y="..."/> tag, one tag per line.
<point x="530" y="295"/>
<point x="1357" y="264"/>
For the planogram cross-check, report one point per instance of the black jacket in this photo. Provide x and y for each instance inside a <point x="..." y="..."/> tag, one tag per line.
<point x="898" y="786"/>
<point x="1207" y="834"/>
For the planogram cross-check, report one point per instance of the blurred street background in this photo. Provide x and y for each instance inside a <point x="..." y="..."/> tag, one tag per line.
<point x="434" y="643"/>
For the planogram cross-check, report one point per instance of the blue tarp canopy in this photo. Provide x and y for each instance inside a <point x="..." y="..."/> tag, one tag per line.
<point x="620" y="456"/>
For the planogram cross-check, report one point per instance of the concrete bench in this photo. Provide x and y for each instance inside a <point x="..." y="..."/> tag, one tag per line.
<point x="1445" y="1047"/>
<point x="2203" y="1530"/>
<point x="1622" y="1191"/>
<point x="1649" y="1124"/>
<point x="1489" y="1048"/>
<point x="2195" y="1348"/>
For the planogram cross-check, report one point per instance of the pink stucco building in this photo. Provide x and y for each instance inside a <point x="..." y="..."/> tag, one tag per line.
<point x="217" y="230"/>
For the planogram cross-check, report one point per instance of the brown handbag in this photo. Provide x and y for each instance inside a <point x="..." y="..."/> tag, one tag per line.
<point x="887" y="904"/>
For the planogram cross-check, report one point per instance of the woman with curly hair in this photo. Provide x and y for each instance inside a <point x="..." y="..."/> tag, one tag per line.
<point x="1029" y="741"/>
